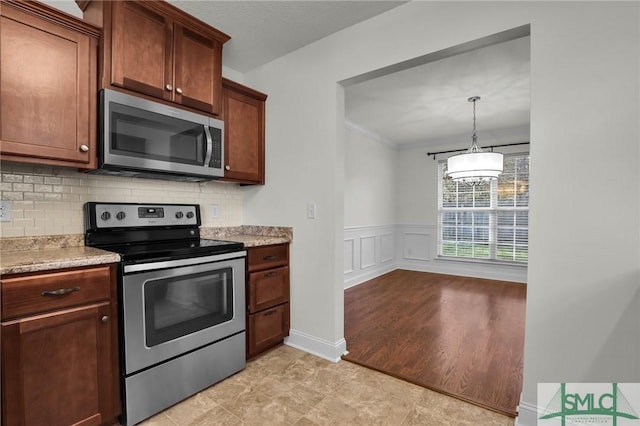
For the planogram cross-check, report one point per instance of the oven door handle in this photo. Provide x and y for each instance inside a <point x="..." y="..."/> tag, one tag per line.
<point x="182" y="262"/>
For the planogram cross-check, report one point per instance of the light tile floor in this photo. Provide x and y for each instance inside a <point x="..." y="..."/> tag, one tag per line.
<point x="289" y="387"/>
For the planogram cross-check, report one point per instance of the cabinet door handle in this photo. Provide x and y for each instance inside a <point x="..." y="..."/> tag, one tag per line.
<point x="178" y="91"/>
<point x="270" y="257"/>
<point x="227" y="167"/>
<point x="269" y="313"/>
<point x="104" y="318"/>
<point x="168" y="87"/>
<point x="84" y="148"/>
<point x="270" y="274"/>
<point x="60" y="291"/>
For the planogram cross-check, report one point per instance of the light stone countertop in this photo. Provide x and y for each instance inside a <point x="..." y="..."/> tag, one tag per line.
<point x="19" y="261"/>
<point x="250" y="236"/>
<point x="42" y="253"/>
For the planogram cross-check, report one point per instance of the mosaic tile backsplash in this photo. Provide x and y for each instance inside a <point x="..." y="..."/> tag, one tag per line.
<point x="48" y="200"/>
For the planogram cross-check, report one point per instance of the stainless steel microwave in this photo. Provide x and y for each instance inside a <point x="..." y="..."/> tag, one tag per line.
<point x="142" y="138"/>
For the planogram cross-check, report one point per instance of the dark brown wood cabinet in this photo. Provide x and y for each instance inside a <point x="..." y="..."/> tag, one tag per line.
<point x="244" y="120"/>
<point x="60" y="348"/>
<point x="154" y="49"/>
<point x="47" y="86"/>
<point x="267" y="295"/>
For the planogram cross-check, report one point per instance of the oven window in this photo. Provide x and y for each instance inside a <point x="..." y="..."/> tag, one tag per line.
<point x="182" y="305"/>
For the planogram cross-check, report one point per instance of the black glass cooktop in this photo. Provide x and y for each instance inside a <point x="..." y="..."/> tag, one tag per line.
<point x="165" y="250"/>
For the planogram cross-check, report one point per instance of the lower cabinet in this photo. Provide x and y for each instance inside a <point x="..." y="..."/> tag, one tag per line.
<point x="59" y="348"/>
<point x="267" y="297"/>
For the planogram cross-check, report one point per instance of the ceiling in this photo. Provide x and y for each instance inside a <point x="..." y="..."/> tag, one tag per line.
<point x="422" y="106"/>
<point x="262" y="31"/>
<point x="427" y="105"/>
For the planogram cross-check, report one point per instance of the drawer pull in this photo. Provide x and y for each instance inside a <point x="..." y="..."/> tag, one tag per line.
<point x="269" y="313"/>
<point x="271" y="257"/>
<point x="60" y="292"/>
<point x="270" y="274"/>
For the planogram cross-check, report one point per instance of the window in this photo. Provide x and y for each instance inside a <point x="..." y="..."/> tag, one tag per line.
<point x="487" y="221"/>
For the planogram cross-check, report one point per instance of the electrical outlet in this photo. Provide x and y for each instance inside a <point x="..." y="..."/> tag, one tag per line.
<point x="215" y="211"/>
<point x="5" y="211"/>
<point x="311" y="210"/>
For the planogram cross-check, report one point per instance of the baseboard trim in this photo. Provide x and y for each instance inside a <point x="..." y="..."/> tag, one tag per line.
<point x="374" y="273"/>
<point x="466" y="269"/>
<point x="527" y="415"/>
<point x="316" y="346"/>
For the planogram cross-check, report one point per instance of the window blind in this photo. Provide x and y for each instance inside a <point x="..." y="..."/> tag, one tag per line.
<point x="487" y="221"/>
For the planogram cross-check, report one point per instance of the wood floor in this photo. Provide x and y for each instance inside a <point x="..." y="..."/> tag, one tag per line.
<point x="460" y="336"/>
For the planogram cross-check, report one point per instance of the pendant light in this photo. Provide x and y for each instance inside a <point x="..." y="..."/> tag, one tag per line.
<point x="474" y="166"/>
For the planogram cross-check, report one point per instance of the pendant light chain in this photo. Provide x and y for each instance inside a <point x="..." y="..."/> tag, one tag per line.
<point x="474" y="138"/>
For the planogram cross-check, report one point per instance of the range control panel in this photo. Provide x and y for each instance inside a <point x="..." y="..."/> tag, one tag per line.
<point x="128" y="215"/>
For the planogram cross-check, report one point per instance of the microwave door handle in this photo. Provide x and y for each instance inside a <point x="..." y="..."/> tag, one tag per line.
<point x="207" y="156"/>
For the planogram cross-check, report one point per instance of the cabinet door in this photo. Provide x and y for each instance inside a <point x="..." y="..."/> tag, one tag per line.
<point x="244" y="134"/>
<point x="268" y="288"/>
<point x="267" y="328"/>
<point x="142" y="49"/>
<point x="198" y="70"/>
<point x="56" y="368"/>
<point x="47" y="91"/>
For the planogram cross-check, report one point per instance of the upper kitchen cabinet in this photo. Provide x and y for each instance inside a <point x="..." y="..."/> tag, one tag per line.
<point x="47" y="86"/>
<point x="155" y="49"/>
<point x="244" y="120"/>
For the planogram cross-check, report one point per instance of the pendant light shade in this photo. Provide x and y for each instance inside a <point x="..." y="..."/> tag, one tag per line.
<point x="474" y="166"/>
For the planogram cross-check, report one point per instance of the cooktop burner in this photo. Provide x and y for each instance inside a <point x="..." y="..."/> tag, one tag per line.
<point x="144" y="232"/>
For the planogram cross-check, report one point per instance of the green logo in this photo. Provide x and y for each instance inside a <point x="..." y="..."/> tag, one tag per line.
<point x="588" y="404"/>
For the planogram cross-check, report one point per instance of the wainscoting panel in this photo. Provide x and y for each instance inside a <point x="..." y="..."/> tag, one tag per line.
<point x="386" y="248"/>
<point x="368" y="251"/>
<point x="416" y="246"/>
<point x="349" y="255"/>
<point x="371" y="251"/>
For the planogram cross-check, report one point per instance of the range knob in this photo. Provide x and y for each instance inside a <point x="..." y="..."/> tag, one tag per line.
<point x="179" y="215"/>
<point x="120" y="215"/>
<point x="189" y="215"/>
<point x="105" y="216"/>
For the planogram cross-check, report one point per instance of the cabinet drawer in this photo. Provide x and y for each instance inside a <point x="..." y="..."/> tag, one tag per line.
<point x="268" y="288"/>
<point x="44" y="292"/>
<point x="268" y="257"/>
<point x="268" y="328"/>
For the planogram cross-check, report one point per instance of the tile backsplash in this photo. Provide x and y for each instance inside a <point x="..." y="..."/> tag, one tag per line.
<point x="48" y="200"/>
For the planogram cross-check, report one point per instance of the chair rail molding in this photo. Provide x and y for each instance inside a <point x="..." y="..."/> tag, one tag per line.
<point x="371" y="251"/>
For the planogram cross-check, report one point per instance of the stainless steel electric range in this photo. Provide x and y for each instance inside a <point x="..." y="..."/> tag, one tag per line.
<point x="181" y="302"/>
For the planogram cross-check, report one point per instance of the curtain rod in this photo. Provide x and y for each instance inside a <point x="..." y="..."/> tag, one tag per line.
<point x="485" y="147"/>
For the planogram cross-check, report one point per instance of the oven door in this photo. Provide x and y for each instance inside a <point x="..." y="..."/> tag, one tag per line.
<point x="173" y="307"/>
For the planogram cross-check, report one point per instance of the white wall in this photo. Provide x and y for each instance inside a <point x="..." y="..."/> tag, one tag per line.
<point x="369" y="181"/>
<point x="583" y="310"/>
<point x="417" y="190"/>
